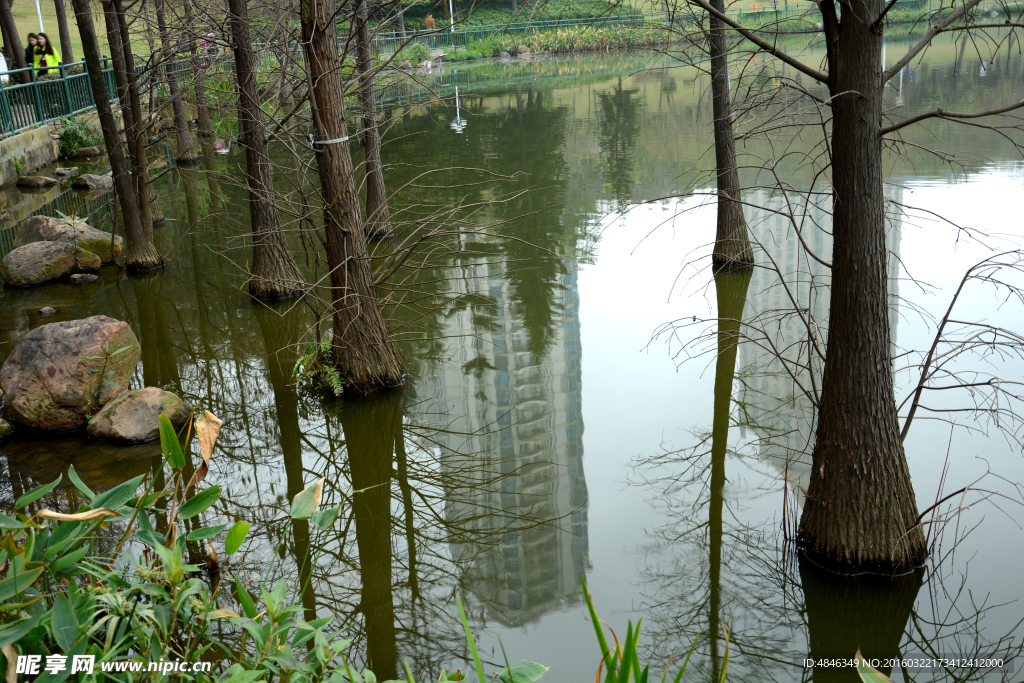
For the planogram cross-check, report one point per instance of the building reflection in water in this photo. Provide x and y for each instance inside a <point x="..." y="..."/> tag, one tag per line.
<point x="514" y="412"/>
<point x="786" y="315"/>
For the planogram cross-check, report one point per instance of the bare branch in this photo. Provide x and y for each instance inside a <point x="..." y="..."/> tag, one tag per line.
<point x="951" y="115"/>
<point x="927" y="39"/>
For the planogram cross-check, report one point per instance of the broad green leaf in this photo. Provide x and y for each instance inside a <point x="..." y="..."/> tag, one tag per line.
<point x="19" y="583"/>
<point x="245" y="599"/>
<point x="306" y="501"/>
<point x="64" y="535"/>
<point x="235" y="537"/>
<point x="64" y="623"/>
<point x="65" y="561"/>
<point x="16" y="631"/>
<point x="79" y="484"/>
<point x="522" y="672"/>
<point x="869" y="674"/>
<point x="117" y="496"/>
<point x="199" y="502"/>
<point x="37" y="493"/>
<point x="236" y="674"/>
<point x="10" y="523"/>
<point x="325" y="518"/>
<point x="150" y="537"/>
<point x="206" y="532"/>
<point x="169" y="443"/>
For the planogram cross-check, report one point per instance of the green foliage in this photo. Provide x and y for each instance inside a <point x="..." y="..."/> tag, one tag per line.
<point x="497" y="12"/>
<point x="570" y="39"/>
<point x="416" y="53"/>
<point x="65" y="590"/>
<point x="75" y="133"/>
<point x="315" y="370"/>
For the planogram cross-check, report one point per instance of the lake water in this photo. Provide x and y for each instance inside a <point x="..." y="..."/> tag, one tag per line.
<point x="552" y="427"/>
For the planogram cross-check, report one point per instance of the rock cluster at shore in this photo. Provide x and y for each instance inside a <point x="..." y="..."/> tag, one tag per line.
<point x="48" y="249"/>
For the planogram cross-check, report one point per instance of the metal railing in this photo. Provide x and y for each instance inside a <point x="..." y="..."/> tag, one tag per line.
<point x="48" y="98"/>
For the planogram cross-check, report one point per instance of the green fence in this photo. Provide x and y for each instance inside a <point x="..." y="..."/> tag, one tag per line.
<point x="63" y="91"/>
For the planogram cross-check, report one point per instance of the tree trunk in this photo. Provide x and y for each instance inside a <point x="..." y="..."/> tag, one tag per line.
<point x="378" y="219"/>
<point x="186" y="147"/>
<point x="732" y="243"/>
<point x="18" y="58"/>
<point x="139" y="252"/>
<point x="204" y="126"/>
<point x="860" y="513"/>
<point x="370" y="427"/>
<point x="131" y="111"/>
<point x="274" y="273"/>
<point x="67" y="53"/>
<point x="362" y="347"/>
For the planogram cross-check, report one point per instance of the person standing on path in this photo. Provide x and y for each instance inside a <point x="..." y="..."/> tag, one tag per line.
<point x="46" y="54"/>
<point x="429" y="23"/>
<point x="30" y="50"/>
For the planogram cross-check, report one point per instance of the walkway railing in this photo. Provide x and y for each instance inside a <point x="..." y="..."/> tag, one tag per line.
<point x="49" y="97"/>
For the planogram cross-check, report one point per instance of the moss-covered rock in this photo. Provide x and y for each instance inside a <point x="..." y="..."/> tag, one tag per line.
<point x="132" y="416"/>
<point x="48" y="229"/>
<point x="41" y="262"/>
<point x="61" y="372"/>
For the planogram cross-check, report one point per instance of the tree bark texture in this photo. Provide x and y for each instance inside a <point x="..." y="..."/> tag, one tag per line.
<point x="378" y="218"/>
<point x="362" y="347"/>
<point x="203" y="124"/>
<point x="67" y="53"/>
<point x="131" y="112"/>
<point x="186" y="146"/>
<point x="860" y="513"/>
<point x="139" y="251"/>
<point x="274" y="272"/>
<point x="16" y="46"/>
<point x="732" y="243"/>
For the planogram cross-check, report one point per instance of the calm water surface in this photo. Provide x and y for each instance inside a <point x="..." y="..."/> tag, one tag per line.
<point x="547" y="431"/>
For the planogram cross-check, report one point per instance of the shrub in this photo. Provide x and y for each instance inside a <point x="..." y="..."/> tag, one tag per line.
<point x="76" y="133"/>
<point x="416" y="53"/>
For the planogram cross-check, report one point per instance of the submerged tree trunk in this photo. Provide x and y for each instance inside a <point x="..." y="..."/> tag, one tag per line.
<point x="139" y="252"/>
<point x="186" y="146"/>
<point x="362" y="347"/>
<point x="860" y="513"/>
<point x="378" y="218"/>
<point x="274" y="272"/>
<point x="67" y="53"/>
<point x="123" y="64"/>
<point x="732" y="243"/>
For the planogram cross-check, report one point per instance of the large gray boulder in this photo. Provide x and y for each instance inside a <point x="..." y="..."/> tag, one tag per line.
<point x="35" y="181"/>
<point x="91" y="181"/>
<point x="132" y="416"/>
<point x="39" y="262"/>
<point x="61" y="372"/>
<point x="48" y="229"/>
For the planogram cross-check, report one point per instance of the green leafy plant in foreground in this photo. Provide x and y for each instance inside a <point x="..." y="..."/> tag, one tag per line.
<point x="112" y="581"/>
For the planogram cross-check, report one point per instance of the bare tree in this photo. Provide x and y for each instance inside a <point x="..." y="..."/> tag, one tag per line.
<point x="140" y="254"/>
<point x="362" y="348"/>
<point x="67" y="53"/>
<point x="378" y="219"/>
<point x="860" y="511"/>
<point x="274" y="274"/>
<point x="186" y="146"/>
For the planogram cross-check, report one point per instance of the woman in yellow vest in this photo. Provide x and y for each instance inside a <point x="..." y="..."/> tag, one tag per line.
<point x="45" y="54"/>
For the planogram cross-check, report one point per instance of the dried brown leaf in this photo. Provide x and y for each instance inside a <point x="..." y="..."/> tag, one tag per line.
<point x="78" y="516"/>
<point x="207" y="429"/>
